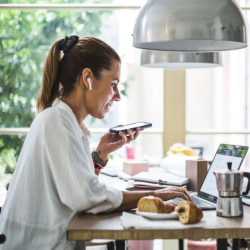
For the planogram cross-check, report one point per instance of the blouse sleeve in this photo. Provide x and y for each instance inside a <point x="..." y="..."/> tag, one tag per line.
<point x="72" y="176"/>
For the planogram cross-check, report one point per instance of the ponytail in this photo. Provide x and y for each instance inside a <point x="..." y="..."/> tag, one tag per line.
<point x="50" y="88"/>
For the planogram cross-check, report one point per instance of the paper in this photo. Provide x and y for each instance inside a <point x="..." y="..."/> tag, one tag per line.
<point x="123" y="175"/>
<point x="120" y="185"/>
<point x="169" y="179"/>
<point x="140" y="184"/>
<point x="139" y="222"/>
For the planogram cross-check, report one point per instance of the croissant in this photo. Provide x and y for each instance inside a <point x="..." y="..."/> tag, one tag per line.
<point x="154" y="205"/>
<point x="188" y="212"/>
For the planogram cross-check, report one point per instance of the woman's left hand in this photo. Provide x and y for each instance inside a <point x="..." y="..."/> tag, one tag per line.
<point x="110" y="142"/>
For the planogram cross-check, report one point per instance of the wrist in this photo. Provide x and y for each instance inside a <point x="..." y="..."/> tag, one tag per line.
<point x="102" y="154"/>
<point x="97" y="160"/>
<point x="150" y="193"/>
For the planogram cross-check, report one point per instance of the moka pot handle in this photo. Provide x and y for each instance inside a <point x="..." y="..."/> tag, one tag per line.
<point x="247" y="175"/>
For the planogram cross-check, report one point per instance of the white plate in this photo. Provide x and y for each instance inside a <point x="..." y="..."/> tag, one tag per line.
<point x="156" y="216"/>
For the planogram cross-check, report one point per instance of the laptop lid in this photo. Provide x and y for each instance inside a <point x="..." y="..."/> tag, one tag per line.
<point x="225" y="153"/>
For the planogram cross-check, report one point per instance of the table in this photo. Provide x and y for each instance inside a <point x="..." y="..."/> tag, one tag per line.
<point x="108" y="226"/>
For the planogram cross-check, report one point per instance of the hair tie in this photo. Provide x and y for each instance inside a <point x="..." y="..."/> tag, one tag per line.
<point x="67" y="43"/>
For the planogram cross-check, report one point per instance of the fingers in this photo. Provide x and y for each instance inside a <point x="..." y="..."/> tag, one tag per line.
<point x="179" y="194"/>
<point x="137" y="133"/>
<point x="123" y="138"/>
<point x="182" y="190"/>
<point x="131" y="136"/>
<point x="187" y="194"/>
<point x="170" y="193"/>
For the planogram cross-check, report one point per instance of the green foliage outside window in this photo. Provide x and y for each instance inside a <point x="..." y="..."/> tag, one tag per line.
<point x="25" y="38"/>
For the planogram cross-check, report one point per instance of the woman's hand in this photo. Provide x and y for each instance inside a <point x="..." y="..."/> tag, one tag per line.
<point x="130" y="199"/>
<point x="172" y="192"/>
<point x="110" y="142"/>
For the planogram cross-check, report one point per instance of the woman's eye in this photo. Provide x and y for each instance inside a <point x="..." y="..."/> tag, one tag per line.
<point x="113" y="84"/>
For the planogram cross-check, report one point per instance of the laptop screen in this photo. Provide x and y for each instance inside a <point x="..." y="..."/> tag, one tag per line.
<point x="225" y="153"/>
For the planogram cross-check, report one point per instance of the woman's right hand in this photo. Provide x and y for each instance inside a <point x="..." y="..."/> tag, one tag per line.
<point x="130" y="199"/>
<point x="110" y="142"/>
<point x="172" y="192"/>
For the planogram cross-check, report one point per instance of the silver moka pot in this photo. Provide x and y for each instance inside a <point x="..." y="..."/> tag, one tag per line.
<point x="229" y="184"/>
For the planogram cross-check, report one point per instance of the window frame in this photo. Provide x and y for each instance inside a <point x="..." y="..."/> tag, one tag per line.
<point x="180" y="131"/>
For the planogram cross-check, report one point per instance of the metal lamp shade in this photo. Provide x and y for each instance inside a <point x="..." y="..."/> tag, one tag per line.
<point x="180" y="60"/>
<point x="190" y="25"/>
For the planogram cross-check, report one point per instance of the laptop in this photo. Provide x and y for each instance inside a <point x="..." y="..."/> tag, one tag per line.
<point x="206" y="198"/>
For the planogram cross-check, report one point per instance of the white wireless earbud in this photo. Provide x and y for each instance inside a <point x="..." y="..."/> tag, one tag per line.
<point x="90" y="87"/>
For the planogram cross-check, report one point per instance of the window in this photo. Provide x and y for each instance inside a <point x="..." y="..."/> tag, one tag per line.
<point x="27" y="35"/>
<point x="217" y="103"/>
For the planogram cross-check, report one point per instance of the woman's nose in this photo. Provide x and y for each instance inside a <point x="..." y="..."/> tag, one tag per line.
<point x="117" y="96"/>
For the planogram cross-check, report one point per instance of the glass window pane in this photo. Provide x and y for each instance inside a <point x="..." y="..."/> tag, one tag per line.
<point x="216" y="98"/>
<point x="247" y="14"/>
<point x="10" y="147"/>
<point x="23" y="56"/>
<point x="120" y="2"/>
<point x="244" y="3"/>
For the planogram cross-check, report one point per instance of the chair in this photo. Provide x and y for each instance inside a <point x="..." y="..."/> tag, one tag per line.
<point x="108" y="243"/>
<point x="2" y="238"/>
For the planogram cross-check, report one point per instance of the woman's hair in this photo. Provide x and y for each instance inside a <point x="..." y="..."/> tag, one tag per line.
<point x="61" y="75"/>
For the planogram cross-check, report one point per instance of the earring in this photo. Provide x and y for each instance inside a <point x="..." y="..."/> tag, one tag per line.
<point x="90" y="87"/>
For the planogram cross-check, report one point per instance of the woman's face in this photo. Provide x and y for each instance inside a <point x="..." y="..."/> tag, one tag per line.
<point x="104" y="92"/>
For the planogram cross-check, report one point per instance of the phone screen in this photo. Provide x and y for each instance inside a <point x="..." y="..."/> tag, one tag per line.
<point x="139" y="124"/>
<point x="132" y="127"/>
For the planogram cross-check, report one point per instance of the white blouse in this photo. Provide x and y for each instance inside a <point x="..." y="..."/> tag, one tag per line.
<point x="53" y="180"/>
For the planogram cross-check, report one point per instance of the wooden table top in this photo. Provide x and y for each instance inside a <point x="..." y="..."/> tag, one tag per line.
<point x="109" y="226"/>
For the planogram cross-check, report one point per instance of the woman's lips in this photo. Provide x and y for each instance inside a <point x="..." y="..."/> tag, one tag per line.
<point x="107" y="106"/>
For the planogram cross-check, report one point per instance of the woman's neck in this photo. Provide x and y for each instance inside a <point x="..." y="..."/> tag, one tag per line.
<point x="77" y="105"/>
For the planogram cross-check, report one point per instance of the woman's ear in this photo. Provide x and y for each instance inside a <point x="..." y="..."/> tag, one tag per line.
<point x="86" y="78"/>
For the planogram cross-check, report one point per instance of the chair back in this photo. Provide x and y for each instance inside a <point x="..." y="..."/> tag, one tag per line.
<point x="2" y="238"/>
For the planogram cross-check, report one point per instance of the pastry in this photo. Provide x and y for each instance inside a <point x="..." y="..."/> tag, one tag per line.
<point x="153" y="204"/>
<point x="188" y="212"/>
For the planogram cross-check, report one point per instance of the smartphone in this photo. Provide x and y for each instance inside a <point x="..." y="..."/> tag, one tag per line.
<point x="132" y="127"/>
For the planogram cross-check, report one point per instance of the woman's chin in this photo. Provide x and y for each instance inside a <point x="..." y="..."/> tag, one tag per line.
<point x="98" y="116"/>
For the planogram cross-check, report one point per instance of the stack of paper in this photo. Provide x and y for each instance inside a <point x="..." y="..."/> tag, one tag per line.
<point x="160" y="179"/>
<point x="146" y="181"/>
<point x="147" y="186"/>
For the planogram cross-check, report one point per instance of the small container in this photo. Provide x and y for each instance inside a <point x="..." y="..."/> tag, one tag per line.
<point x="133" y="167"/>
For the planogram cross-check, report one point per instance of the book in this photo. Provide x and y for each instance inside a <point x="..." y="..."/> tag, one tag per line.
<point x="160" y="179"/>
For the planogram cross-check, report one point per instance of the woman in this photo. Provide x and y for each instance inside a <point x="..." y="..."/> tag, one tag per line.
<point x="56" y="176"/>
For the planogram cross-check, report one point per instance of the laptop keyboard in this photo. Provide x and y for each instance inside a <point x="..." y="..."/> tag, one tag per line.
<point x="195" y="200"/>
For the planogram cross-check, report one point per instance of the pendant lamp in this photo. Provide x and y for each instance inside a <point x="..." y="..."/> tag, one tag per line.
<point x="190" y="25"/>
<point x="180" y="60"/>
